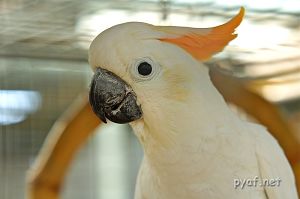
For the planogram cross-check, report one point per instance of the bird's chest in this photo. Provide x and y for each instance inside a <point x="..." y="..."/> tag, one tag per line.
<point x="192" y="178"/>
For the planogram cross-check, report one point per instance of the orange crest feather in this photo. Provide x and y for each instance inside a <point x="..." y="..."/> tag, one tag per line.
<point x="202" y="43"/>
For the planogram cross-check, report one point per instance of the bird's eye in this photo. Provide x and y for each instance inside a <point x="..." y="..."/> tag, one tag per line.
<point x="144" y="69"/>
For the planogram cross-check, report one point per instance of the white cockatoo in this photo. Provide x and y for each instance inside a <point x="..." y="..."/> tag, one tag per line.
<point x="194" y="146"/>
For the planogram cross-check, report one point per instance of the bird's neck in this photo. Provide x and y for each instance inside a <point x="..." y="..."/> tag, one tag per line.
<point x="189" y="139"/>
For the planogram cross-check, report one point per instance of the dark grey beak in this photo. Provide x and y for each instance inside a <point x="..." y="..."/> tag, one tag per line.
<point x="112" y="98"/>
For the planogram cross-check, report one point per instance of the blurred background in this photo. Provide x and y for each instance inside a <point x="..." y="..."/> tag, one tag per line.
<point x="43" y="68"/>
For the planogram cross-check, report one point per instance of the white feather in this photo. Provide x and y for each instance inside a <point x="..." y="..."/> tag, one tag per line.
<point x="194" y="146"/>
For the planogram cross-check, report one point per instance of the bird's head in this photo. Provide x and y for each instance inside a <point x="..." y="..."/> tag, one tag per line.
<point x="141" y="69"/>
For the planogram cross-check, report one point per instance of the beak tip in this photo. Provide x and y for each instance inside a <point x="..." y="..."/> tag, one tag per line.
<point x="101" y="115"/>
<point x="103" y="120"/>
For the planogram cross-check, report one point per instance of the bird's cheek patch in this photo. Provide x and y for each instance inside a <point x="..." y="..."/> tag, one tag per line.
<point x="175" y="81"/>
